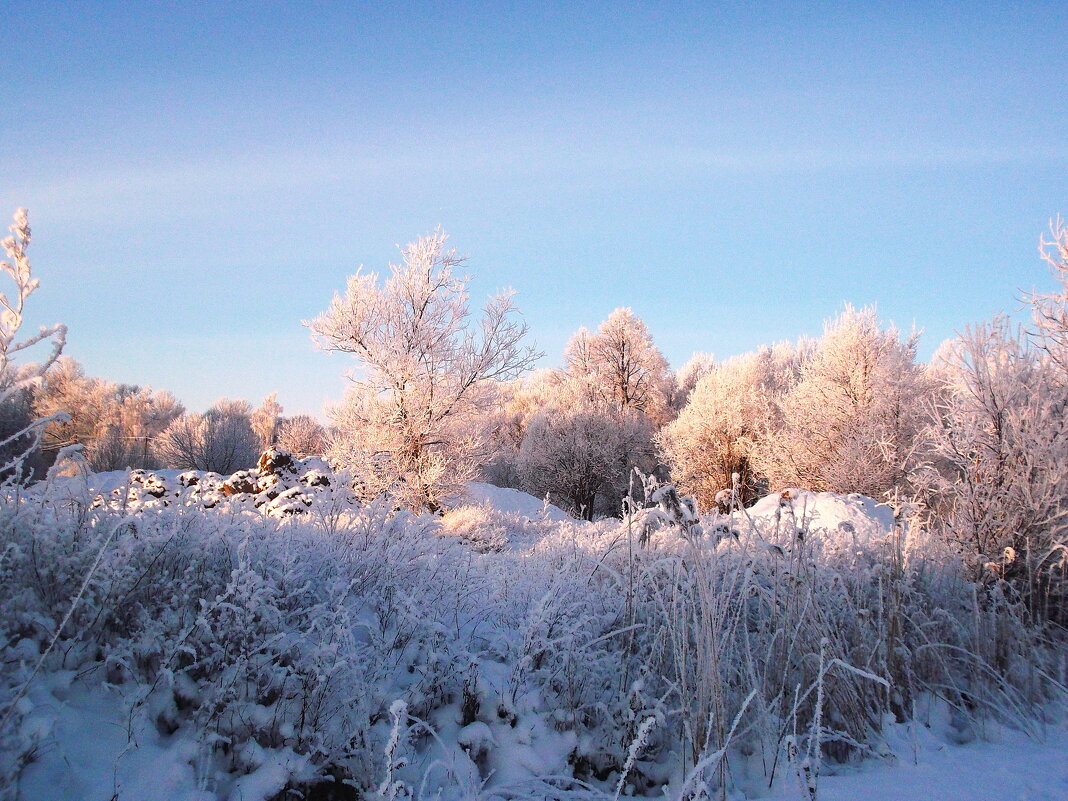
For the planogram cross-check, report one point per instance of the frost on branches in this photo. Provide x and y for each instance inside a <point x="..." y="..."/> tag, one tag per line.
<point x="411" y="422"/>
<point x="849" y="422"/>
<point x="730" y="410"/>
<point x="15" y="380"/>
<point x="302" y="435"/>
<point x="264" y="421"/>
<point x="577" y="455"/>
<point x="994" y="469"/>
<point x="597" y="417"/>
<point x="115" y="424"/>
<point x="221" y="440"/>
<point x="1050" y="310"/>
<point x="620" y="368"/>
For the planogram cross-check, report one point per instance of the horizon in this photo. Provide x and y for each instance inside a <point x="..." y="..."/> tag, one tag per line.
<point x="201" y="181"/>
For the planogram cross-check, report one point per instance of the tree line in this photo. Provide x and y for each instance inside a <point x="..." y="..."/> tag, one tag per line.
<point x="975" y="440"/>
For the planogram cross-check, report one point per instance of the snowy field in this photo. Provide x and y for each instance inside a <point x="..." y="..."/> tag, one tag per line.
<point x="90" y="756"/>
<point x="229" y="647"/>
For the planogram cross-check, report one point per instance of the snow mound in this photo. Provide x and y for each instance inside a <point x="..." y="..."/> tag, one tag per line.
<point x="112" y="480"/>
<point x="828" y="516"/>
<point x="512" y="501"/>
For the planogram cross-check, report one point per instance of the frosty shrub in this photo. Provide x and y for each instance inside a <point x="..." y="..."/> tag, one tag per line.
<point x="412" y="420"/>
<point x="289" y="655"/>
<point x="481" y="526"/>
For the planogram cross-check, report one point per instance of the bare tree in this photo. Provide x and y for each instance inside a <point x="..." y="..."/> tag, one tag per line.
<point x="411" y="423"/>
<point x="221" y="440"/>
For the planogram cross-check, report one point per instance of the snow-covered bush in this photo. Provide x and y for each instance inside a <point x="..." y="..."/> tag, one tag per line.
<point x="278" y="654"/>
<point x="478" y="525"/>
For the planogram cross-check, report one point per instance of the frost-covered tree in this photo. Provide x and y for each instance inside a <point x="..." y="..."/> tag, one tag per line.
<point x="114" y="423"/>
<point x="265" y="420"/>
<point x="91" y="405"/>
<point x="413" y="422"/>
<point x="620" y="367"/>
<point x="221" y="440"/>
<point x="614" y="391"/>
<point x="1050" y="309"/>
<point x="302" y="435"/>
<point x="994" y="468"/>
<point x="849" y="423"/>
<point x="23" y="433"/>
<point x="689" y="374"/>
<point x="579" y="455"/>
<point x="517" y="403"/>
<point x="732" y="408"/>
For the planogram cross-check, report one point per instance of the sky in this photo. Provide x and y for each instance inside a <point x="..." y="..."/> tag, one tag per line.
<point x="203" y="177"/>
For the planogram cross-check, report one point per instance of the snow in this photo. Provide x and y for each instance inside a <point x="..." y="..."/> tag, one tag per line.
<point x="514" y="501"/>
<point x="1012" y="767"/>
<point x="838" y="519"/>
<point x="499" y="623"/>
<point x="84" y="756"/>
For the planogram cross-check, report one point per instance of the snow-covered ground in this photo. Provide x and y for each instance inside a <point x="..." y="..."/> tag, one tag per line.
<point x="489" y="653"/>
<point x="1008" y="766"/>
<point x="89" y="752"/>
<point x="88" y="756"/>
<point x="514" y="501"/>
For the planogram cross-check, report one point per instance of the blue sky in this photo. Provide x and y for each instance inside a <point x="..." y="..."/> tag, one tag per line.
<point x="202" y="177"/>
